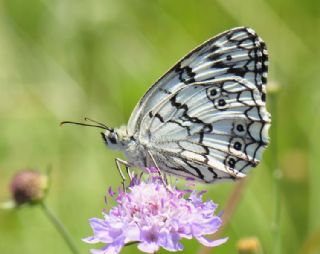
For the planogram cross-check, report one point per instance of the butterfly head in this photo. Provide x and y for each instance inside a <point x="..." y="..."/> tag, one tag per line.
<point x="116" y="138"/>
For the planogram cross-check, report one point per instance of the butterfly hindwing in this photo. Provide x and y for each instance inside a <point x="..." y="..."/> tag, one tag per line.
<point x="206" y="117"/>
<point x="194" y="126"/>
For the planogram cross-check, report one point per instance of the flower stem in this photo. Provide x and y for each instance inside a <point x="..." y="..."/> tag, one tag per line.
<point x="59" y="227"/>
<point x="276" y="176"/>
<point x="229" y="209"/>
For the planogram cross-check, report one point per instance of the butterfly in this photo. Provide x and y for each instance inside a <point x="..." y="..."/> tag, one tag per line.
<point x="206" y="118"/>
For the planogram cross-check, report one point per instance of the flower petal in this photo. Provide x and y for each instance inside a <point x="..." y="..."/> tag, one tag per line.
<point x="150" y="215"/>
<point x="132" y="233"/>
<point x="148" y="247"/>
<point x="112" y="248"/>
<point x="170" y="241"/>
<point x="211" y="243"/>
<point x="111" y="192"/>
<point x="105" y="231"/>
<point x="206" y="227"/>
<point x="91" y="239"/>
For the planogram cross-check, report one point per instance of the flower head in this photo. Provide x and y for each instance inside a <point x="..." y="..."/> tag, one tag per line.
<point x="154" y="215"/>
<point x="28" y="186"/>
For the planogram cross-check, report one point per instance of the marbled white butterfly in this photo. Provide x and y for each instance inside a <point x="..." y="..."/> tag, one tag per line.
<point x="206" y="118"/>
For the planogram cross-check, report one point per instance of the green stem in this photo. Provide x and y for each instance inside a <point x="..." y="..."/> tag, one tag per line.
<point x="276" y="176"/>
<point x="60" y="228"/>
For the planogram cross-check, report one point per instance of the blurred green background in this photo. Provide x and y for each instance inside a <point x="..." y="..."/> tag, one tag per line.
<point x="63" y="60"/>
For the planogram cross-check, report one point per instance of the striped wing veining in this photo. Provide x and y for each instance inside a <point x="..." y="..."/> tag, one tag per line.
<point x="206" y="118"/>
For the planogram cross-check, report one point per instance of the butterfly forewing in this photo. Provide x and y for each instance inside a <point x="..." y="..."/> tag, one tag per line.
<point x="206" y="117"/>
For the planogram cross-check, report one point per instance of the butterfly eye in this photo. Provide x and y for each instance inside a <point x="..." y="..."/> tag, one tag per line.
<point x="213" y="93"/>
<point x="113" y="137"/>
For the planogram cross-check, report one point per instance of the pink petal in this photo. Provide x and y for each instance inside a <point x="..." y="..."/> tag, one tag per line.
<point x="111" y="192"/>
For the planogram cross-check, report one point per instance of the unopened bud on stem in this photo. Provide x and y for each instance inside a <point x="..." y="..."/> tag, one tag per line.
<point x="28" y="186"/>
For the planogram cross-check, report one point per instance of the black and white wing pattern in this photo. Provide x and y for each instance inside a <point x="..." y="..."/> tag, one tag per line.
<point x="206" y="118"/>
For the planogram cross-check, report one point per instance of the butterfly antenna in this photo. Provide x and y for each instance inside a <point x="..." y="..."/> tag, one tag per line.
<point x="97" y="125"/>
<point x="96" y="122"/>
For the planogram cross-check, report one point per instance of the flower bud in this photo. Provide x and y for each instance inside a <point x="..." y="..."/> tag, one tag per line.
<point x="248" y="245"/>
<point x="28" y="186"/>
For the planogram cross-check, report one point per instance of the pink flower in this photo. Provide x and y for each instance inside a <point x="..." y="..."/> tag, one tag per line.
<point x="153" y="216"/>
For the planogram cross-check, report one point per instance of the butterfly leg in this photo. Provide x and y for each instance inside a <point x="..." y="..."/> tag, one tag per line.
<point x="162" y="176"/>
<point x="120" y="162"/>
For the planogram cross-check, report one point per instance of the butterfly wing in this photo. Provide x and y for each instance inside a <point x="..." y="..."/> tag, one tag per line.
<point x="206" y="117"/>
